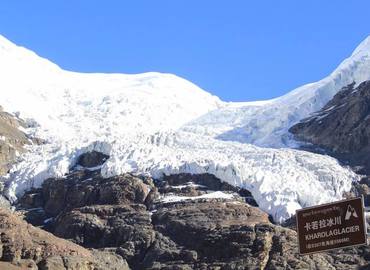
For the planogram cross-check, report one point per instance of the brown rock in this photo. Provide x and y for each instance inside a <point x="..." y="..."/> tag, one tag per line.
<point x="22" y="243"/>
<point x="192" y="234"/>
<point x="78" y="190"/>
<point x="126" y="226"/>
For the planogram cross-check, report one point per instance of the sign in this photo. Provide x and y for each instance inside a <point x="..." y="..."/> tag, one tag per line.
<point x="331" y="226"/>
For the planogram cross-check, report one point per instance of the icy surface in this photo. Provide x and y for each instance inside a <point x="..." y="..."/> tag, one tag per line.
<point x="157" y="124"/>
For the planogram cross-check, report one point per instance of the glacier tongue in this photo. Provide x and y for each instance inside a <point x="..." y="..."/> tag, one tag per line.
<point x="157" y="124"/>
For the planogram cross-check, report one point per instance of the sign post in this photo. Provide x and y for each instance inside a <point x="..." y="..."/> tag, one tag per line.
<point x="331" y="226"/>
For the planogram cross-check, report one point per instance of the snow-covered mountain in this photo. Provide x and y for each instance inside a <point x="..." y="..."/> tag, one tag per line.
<point x="159" y="124"/>
<point x="267" y="123"/>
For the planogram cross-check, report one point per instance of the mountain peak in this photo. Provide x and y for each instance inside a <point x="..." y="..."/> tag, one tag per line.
<point x="6" y="43"/>
<point x="18" y="59"/>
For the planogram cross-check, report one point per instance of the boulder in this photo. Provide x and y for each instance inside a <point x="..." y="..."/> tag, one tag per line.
<point x="92" y="159"/>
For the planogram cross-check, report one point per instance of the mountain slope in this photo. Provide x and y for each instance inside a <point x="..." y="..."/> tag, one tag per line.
<point x="146" y="125"/>
<point x="342" y="126"/>
<point x="267" y="123"/>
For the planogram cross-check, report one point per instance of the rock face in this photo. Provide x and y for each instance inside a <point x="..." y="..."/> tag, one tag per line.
<point x="128" y="228"/>
<point x="342" y="127"/>
<point x="230" y="235"/>
<point x="32" y="248"/>
<point x="171" y="224"/>
<point x="12" y="140"/>
<point x="209" y="233"/>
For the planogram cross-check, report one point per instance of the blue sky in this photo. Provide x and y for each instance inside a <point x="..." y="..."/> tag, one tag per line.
<point x="238" y="50"/>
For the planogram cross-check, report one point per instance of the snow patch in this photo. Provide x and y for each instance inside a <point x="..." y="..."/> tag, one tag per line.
<point x="188" y="184"/>
<point x="212" y="195"/>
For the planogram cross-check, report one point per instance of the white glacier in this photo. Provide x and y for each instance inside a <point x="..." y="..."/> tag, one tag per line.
<point x="157" y="124"/>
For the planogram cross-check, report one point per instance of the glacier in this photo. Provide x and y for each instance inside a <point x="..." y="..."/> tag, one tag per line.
<point x="155" y="124"/>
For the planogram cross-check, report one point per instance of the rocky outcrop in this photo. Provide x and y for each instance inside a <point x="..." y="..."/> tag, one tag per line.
<point x="96" y="212"/>
<point x="342" y="127"/>
<point x="134" y="218"/>
<point x="23" y="245"/>
<point x="229" y="235"/>
<point x="12" y="140"/>
<point x="208" y="233"/>
<point x="128" y="214"/>
<point x="82" y="188"/>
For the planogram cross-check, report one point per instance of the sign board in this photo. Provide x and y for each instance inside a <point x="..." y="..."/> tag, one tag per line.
<point x="331" y="226"/>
